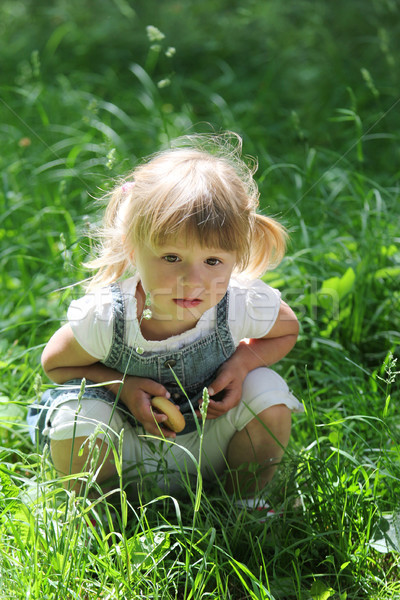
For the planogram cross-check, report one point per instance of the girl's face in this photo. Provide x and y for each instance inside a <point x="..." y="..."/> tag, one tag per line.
<point x="183" y="280"/>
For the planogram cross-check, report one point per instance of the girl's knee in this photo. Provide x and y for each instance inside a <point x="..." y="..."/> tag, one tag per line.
<point x="277" y="421"/>
<point x="277" y="413"/>
<point x="80" y="455"/>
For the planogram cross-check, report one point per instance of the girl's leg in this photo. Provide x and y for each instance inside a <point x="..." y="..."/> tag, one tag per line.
<point x="76" y="456"/>
<point x="254" y="452"/>
<point x="250" y="439"/>
<point x="71" y="427"/>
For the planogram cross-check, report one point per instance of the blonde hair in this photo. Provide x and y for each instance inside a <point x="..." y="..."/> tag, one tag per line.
<point x="199" y="188"/>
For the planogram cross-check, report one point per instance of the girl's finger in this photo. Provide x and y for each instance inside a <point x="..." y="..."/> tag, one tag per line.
<point x="154" y="388"/>
<point x="219" y="384"/>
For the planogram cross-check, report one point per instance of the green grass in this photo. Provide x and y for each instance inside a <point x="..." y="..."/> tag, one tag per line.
<point x="313" y="89"/>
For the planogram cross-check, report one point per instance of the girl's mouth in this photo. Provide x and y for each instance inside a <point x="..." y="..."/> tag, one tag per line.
<point x="187" y="302"/>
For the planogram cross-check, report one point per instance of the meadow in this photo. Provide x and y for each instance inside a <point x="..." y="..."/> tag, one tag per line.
<point x="87" y="89"/>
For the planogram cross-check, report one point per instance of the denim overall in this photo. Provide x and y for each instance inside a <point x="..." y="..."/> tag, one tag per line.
<point x="194" y="365"/>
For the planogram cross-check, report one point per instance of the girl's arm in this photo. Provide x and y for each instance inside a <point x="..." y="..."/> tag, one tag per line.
<point x="266" y="351"/>
<point x="64" y="358"/>
<point x="261" y="352"/>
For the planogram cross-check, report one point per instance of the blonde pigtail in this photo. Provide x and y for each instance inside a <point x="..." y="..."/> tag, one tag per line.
<point x="106" y="274"/>
<point x="113" y="256"/>
<point x="268" y="245"/>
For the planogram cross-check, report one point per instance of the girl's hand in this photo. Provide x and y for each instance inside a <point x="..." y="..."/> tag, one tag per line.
<point x="136" y="394"/>
<point x="250" y="355"/>
<point x="228" y="384"/>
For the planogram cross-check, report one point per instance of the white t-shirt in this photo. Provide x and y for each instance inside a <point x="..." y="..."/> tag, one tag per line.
<point x="253" y="310"/>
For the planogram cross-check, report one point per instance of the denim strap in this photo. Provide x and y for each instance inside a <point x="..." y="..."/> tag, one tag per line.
<point x="223" y="331"/>
<point x="118" y="309"/>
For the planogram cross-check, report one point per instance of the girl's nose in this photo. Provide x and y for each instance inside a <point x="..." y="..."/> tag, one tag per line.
<point x="191" y="275"/>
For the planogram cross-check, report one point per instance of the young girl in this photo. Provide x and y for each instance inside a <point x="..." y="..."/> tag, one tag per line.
<point x="175" y="298"/>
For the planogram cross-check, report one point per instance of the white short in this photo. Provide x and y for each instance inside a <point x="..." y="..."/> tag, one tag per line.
<point x="168" y="460"/>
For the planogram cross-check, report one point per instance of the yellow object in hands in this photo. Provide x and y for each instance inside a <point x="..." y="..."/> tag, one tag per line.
<point x="176" y="420"/>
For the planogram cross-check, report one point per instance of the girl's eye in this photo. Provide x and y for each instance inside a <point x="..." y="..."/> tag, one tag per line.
<point x="213" y="261"/>
<point x="171" y="258"/>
